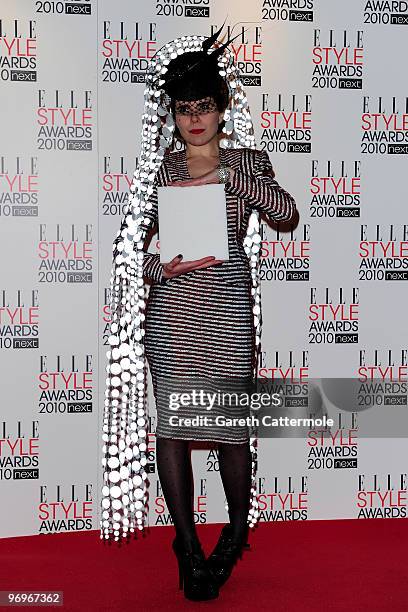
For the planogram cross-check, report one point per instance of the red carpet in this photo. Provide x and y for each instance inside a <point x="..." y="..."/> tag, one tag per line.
<point x="344" y="565"/>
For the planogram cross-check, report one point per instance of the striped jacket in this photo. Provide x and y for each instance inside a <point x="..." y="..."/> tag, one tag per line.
<point x="253" y="186"/>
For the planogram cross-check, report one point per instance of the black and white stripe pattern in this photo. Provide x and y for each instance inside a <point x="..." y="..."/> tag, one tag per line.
<point x="199" y="325"/>
<point x="201" y="335"/>
<point x="253" y="186"/>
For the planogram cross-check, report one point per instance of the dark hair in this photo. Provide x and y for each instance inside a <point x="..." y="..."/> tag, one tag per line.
<point x="192" y="76"/>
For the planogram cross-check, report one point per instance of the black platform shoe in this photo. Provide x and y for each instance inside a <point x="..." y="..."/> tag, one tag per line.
<point x="194" y="575"/>
<point x="225" y="554"/>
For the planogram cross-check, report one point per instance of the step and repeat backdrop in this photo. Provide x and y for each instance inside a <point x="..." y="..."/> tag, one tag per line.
<point x="328" y="95"/>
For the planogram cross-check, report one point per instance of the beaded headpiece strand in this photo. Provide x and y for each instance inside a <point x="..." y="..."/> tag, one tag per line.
<point x="124" y="500"/>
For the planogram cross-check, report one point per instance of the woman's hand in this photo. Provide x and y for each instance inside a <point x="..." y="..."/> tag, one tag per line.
<point x="176" y="266"/>
<point x="205" y="179"/>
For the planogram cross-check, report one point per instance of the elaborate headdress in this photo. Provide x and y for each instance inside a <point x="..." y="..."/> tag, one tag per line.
<point x="124" y="491"/>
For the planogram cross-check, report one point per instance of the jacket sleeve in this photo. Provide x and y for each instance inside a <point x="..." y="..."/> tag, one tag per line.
<point x="260" y="189"/>
<point x="152" y="268"/>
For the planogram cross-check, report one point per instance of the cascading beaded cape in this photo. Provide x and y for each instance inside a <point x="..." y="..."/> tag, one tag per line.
<point x="124" y="501"/>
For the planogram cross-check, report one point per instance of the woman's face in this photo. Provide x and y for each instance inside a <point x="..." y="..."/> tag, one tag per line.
<point x="197" y="120"/>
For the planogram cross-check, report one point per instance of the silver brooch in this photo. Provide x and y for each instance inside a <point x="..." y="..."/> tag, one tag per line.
<point x="223" y="174"/>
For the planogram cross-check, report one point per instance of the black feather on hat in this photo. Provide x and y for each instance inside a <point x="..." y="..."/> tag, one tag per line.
<point x="195" y="74"/>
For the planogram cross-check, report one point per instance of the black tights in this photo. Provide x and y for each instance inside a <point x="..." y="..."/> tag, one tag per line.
<point x="176" y="479"/>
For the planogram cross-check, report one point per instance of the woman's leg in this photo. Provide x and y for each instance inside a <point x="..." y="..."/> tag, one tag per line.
<point x="235" y="469"/>
<point x="176" y="479"/>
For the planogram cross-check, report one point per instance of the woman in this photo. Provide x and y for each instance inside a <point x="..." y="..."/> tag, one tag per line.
<point x="199" y="321"/>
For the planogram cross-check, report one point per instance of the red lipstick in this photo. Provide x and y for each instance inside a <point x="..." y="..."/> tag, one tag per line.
<point x="197" y="131"/>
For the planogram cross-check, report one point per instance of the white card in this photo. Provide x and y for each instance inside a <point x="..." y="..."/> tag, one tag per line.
<point x="192" y="221"/>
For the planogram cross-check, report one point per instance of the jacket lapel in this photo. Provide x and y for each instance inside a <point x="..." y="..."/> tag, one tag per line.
<point x="176" y="166"/>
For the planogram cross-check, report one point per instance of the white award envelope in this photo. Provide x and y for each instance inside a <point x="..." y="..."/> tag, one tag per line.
<point x="193" y="222"/>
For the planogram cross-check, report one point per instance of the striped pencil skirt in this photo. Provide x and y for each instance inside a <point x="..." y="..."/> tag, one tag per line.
<point x="200" y="343"/>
